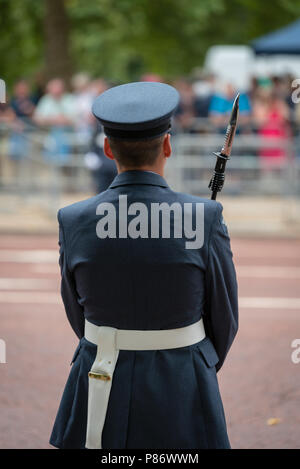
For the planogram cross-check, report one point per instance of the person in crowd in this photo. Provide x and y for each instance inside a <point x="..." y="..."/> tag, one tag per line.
<point x="296" y="126"/>
<point x="282" y="87"/>
<point x="98" y="86"/>
<point x="7" y="121"/>
<point x="297" y="115"/>
<point x="22" y="102"/>
<point x="204" y="90"/>
<point x="151" y="77"/>
<point x="23" y="106"/>
<point x="83" y="98"/>
<point x="103" y="170"/>
<point x="271" y="117"/>
<point x="38" y="85"/>
<point x="187" y="110"/>
<point x="254" y="84"/>
<point x="57" y="112"/>
<point x="221" y="106"/>
<point x="7" y="115"/>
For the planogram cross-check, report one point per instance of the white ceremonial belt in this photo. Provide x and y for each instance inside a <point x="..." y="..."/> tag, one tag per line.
<point x="109" y="341"/>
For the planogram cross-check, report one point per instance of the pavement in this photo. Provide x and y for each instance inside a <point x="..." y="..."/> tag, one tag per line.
<point x="259" y="383"/>
<point x="273" y="217"/>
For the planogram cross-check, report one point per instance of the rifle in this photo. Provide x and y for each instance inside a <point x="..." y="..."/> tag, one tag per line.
<point x="218" y="178"/>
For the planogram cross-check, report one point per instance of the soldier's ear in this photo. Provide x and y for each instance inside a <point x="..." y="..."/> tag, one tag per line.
<point x="107" y="149"/>
<point x="167" y="145"/>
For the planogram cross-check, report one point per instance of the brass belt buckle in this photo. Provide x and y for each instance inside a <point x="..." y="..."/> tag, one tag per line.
<point x="102" y="376"/>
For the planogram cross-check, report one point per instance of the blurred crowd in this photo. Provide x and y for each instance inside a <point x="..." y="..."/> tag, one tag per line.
<point x="64" y="115"/>
<point x="266" y="110"/>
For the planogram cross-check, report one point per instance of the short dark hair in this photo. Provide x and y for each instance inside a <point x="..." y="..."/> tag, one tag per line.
<point x="134" y="154"/>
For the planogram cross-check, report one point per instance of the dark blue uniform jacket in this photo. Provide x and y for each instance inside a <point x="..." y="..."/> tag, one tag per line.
<point x="159" y="399"/>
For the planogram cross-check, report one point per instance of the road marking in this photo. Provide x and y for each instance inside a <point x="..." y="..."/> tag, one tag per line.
<point x="262" y="271"/>
<point x="29" y="255"/>
<point x="45" y="268"/>
<point x="269" y="302"/>
<point x="28" y="283"/>
<point x="29" y="297"/>
<point x="262" y="252"/>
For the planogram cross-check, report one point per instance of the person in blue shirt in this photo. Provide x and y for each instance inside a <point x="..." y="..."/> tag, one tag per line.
<point x="23" y="106"/>
<point x="221" y="106"/>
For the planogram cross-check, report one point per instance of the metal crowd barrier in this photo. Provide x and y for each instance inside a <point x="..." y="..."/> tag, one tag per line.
<point x="247" y="172"/>
<point x="189" y="169"/>
<point x="36" y="176"/>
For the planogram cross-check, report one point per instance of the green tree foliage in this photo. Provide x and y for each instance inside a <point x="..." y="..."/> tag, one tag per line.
<point x="21" y="38"/>
<point x="121" y="39"/>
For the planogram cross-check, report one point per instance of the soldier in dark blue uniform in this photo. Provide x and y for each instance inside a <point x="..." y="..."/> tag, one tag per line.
<point x="103" y="170"/>
<point x="142" y="293"/>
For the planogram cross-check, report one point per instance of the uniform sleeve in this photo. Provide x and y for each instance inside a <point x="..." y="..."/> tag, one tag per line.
<point x="69" y="294"/>
<point x="221" y="307"/>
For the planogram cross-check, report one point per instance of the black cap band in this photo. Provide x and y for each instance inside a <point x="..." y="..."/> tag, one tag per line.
<point x="144" y="134"/>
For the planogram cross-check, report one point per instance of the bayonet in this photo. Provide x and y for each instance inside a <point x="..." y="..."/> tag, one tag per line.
<point x="217" y="181"/>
